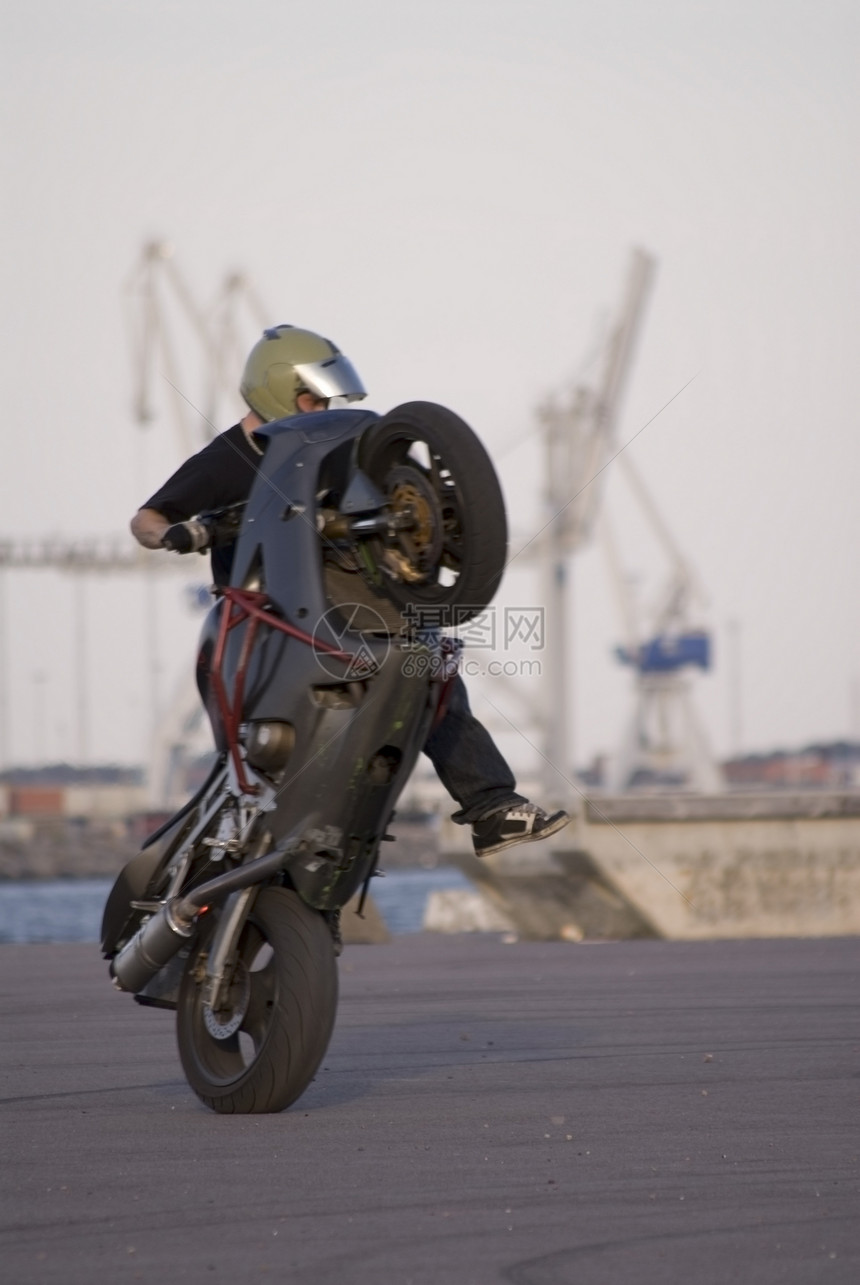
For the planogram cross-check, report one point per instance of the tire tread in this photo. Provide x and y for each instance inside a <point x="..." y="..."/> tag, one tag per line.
<point x="302" y="1021"/>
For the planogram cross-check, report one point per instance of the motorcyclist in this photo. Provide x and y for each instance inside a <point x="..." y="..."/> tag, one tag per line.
<point x="291" y="371"/>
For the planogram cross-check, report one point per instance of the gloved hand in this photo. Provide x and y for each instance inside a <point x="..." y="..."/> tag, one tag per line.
<point x="187" y="537"/>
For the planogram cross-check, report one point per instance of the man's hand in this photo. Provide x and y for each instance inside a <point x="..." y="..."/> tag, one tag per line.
<point x="148" y="526"/>
<point x="152" y="529"/>
<point x="187" y="537"/>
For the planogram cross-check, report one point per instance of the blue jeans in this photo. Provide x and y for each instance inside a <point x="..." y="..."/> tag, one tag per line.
<point x="468" y="763"/>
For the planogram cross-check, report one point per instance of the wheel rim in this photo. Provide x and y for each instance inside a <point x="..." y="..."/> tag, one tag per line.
<point x="228" y="1041"/>
<point x="418" y="546"/>
<point x="415" y="476"/>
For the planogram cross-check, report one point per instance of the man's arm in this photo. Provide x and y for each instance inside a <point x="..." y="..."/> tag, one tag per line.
<point x="154" y="531"/>
<point x="148" y="526"/>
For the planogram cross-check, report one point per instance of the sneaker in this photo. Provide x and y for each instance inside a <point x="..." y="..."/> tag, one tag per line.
<point x="521" y="823"/>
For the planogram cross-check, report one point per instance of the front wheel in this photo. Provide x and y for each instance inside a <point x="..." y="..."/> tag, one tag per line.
<point x="261" y="1049"/>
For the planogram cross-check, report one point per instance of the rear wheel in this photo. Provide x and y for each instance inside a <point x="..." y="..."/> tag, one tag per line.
<point x="259" y="1051"/>
<point x="450" y="543"/>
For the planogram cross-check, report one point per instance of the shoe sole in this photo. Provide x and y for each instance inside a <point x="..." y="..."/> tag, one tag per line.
<point x="545" y="833"/>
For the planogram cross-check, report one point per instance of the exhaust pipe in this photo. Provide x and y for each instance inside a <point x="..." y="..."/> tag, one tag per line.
<point x="162" y="936"/>
<point x="152" y="946"/>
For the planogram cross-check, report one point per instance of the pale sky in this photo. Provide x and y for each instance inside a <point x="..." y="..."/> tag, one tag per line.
<point x="451" y="192"/>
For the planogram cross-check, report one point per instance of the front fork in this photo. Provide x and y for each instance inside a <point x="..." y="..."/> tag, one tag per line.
<point x="221" y="958"/>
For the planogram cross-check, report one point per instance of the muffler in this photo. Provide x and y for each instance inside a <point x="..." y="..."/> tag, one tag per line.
<point x="159" y="939"/>
<point x="151" y="947"/>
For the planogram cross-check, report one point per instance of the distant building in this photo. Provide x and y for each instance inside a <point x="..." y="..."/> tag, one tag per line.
<point x="59" y="774"/>
<point x="830" y="766"/>
<point x="59" y="791"/>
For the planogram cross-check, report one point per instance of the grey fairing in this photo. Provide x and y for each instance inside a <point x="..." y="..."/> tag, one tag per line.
<point x="333" y="801"/>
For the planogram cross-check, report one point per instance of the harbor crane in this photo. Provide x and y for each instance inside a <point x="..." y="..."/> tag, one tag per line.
<point x="665" y="744"/>
<point x="159" y="305"/>
<point x="580" y="438"/>
<point x="157" y="297"/>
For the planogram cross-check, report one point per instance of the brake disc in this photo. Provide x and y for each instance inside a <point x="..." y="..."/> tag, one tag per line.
<point x="411" y="492"/>
<point x="224" y="1022"/>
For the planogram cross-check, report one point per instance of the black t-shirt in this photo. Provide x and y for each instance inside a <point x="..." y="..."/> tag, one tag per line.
<point x="222" y="473"/>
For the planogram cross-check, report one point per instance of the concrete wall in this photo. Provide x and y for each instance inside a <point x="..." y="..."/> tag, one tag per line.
<point x="685" y="867"/>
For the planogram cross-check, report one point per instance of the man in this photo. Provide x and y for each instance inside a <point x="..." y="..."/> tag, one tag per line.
<point x="296" y="372"/>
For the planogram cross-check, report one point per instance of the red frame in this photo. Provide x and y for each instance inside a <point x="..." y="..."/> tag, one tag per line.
<point x="242" y="605"/>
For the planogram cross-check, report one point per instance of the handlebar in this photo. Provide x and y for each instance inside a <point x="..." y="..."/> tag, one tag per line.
<point x="210" y="530"/>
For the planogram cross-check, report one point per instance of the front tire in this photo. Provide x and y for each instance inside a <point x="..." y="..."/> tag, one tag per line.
<point x="259" y="1052"/>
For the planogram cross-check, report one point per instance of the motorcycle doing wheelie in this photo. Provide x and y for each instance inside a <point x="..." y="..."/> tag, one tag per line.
<point x="322" y="669"/>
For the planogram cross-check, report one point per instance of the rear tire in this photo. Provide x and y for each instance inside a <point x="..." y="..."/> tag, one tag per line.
<point x="261" y="1050"/>
<point x="424" y="457"/>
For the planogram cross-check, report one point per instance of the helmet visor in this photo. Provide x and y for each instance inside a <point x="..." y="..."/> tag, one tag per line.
<point x="334" y="377"/>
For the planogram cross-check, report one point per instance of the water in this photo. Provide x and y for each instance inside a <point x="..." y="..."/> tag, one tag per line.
<point x="67" y="910"/>
<point x="401" y="895"/>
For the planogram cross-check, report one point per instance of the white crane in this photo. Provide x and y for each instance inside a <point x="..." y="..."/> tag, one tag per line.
<point x="157" y="297"/>
<point x="159" y="305"/>
<point x="665" y="742"/>
<point x="580" y="435"/>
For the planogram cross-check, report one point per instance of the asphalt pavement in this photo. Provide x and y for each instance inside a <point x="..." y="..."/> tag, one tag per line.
<point x="528" y="1113"/>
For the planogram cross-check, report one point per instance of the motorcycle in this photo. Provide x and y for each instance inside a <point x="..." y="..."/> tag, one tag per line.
<point x="322" y="667"/>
